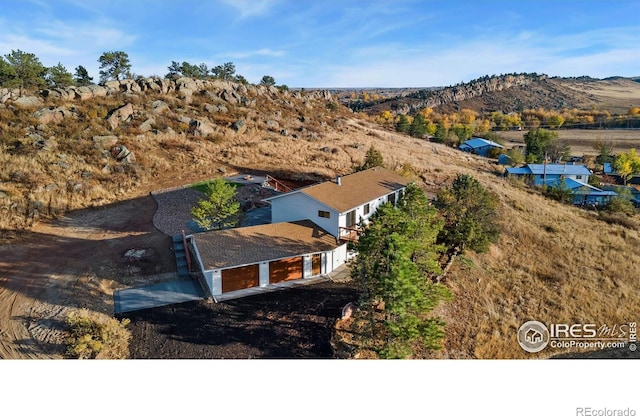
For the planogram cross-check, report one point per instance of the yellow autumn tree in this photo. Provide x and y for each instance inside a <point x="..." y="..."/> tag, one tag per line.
<point x="627" y="164"/>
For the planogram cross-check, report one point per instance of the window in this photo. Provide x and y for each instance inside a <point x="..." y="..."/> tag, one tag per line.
<point x="351" y="218"/>
<point x="324" y="214"/>
<point x="392" y="199"/>
<point x="578" y="176"/>
<point x="366" y="209"/>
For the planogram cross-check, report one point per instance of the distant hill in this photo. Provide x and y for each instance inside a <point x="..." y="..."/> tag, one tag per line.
<point x="511" y="92"/>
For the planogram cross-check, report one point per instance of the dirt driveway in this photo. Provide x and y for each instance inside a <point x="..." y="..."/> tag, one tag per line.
<point x="76" y="261"/>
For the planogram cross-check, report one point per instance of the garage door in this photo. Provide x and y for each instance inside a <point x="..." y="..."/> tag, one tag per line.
<point x="240" y="278"/>
<point x="316" y="264"/>
<point x="286" y="269"/>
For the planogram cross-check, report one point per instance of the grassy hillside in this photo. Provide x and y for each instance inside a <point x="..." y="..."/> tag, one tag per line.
<point x="553" y="262"/>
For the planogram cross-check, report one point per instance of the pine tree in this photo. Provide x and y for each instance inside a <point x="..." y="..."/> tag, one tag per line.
<point x="372" y="159"/>
<point x="470" y="217"/>
<point x="220" y="209"/>
<point x="59" y="76"/>
<point x="403" y="125"/>
<point x="81" y="77"/>
<point x="395" y="254"/>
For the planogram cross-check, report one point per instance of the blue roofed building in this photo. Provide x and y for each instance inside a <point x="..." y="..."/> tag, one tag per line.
<point x="571" y="177"/>
<point x="479" y="146"/>
<point x="542" y="174"/>
<point x="585" y="194"/>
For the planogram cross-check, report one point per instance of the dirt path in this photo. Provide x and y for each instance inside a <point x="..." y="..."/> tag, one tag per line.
<point x="73" y="262"/>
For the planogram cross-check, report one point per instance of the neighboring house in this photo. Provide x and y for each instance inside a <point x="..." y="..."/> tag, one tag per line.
<point x="585" y="194"/>
<point x="572" y="177"/>
<point x="551" y="172"/>
<point x="479" y="146"/>
<point x="338" y="206"/>
<point x="264" y="255"/>
<point x="607" y="169"/>
<point x="504" y="159"/>
<point x="634" y="193"/>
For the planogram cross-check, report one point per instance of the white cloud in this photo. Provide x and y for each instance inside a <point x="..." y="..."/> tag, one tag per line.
<point x="249" y="8"/>
<point x="259" y="52"/>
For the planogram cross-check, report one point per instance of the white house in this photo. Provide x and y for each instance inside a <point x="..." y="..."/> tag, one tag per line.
<point x="261" y="256"/>
<point x="338" y="206"/>
<point x="307" y="237"/>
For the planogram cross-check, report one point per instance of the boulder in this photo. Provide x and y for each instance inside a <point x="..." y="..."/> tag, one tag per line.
<point x="230" y="97"/>
<point x="272" y="124"/>
<point x="122" y="154"/>
<point x="120" y="115"/>
<point x="28" y="101"/>
<point x="84" y="93"/>
<point x="239" y="126"/>
<point x="147" y="125"/>
<point x="159" y="106"/>
<point x="112" y="85"/>
<point x="186" y="83"/>
<point x="105" y="142"/>
<point x="7" y="94"/>
<point x="210" y="108"/>
<point x="36" y="140"/>
<point x="53" y="115"/>
<point x="98" y="90"/>
<point x="200" y="128"/>
<point x="348" y="310"/>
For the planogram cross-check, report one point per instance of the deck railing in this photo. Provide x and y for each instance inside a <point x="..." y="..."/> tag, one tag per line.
<point x="276" y="184"/>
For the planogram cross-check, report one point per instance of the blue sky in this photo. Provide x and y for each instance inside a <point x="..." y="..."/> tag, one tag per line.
<point x="337" y="43"/>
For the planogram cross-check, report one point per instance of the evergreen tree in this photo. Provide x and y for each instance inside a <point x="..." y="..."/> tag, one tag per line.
<point x="418" y="127"/>
<point x="59" y="76"/>
<point x="268" y="81"/>
<point x="372" y="159"/>
<point x="225" y="71"/>
<point x="470" y="217"/>
<point x="22" y="70"/>
<point x="220" y="209"/>
<point x="82" y="77"/>
<point x="403" y="125"/>
<point x="395" y="252"/>
<point x="114" y="65"/>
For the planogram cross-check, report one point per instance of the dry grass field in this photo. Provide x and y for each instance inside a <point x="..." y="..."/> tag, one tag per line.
<point x="582" y="141"/>
<point x="553" y="262"/>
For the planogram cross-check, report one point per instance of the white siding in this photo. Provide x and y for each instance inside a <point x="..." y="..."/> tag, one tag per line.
<point x="264" y="274"/>
<point x="373" y="207"/>
<point x="214" y="280"/>
<point x="339" y="257"/>
<point x="296" y="207"/>
<point x="307" y="266"/>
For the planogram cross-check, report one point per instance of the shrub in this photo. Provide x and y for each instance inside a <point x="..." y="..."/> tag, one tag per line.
<point x="495" y="152"/>
<point x="95" y="336"/>
<point x="620" y="205"/>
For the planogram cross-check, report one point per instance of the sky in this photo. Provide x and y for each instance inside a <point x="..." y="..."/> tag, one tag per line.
<point x="335" y="43"/>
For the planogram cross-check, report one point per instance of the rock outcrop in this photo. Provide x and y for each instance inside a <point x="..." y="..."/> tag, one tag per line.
<point x="120" y="115"/>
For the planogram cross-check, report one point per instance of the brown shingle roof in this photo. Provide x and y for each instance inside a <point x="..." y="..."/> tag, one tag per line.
<point x="248" y="245"/>
<point x="356" y="189"/>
